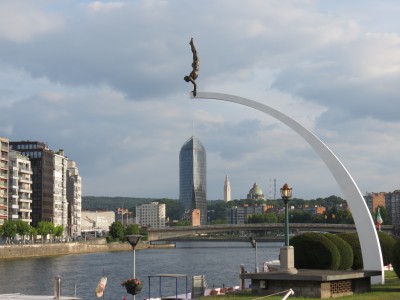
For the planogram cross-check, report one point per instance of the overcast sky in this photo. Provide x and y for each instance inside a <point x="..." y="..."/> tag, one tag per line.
<point x="103" y="80"/>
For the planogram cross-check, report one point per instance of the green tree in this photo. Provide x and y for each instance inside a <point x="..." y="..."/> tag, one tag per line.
<point x="218" y="222"/>
<point x="182" y="223"/>
<point x="33" y="233"/>
<point x="255" y="219"/>
<point x="44" y="228"/>
<point x="217" y="211"/>
<point x="132" y="229"/>
<point x="9" y="230"/>
<point x="23" y="228"/>
<point x="270" y="218"/>
<point x="172" y="209"/>
<point x="117" y="231"/>
<point x="58" y="231"/>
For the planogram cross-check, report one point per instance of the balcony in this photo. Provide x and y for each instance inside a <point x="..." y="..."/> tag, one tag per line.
<point x="25" y="180"/>
<point x="25" y="171"/>
<point x="22" y="190"/>
<point x="25" y="210"/>
<point x="25" y="200"/>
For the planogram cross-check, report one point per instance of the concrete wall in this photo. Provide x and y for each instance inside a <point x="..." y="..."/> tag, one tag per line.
<point x="39" y="250"/>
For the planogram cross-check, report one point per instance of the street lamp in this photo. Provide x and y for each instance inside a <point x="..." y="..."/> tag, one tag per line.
<point x="286" y="193"/>
<point x="254" y="245"/>
<point x="133" y="240"/>
<point x="287" y="252"/>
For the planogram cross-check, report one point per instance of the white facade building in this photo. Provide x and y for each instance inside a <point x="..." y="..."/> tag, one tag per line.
<point x="60" y="204"/>
<point x="97" y="220"/>
<point x="20" y="187"/>
<point x="151" y="215"/>
<point x="4" y="149"/>
<point x="74" y="198"/>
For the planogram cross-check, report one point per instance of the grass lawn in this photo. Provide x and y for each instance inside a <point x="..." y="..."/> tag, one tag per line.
<point x="389" y="291"/>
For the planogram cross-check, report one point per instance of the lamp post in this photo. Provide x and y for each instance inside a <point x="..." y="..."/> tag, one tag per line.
<point x="287" y="252"/>
<point x="133" y="241"/>
<point x="254" y="245"/>
<point x="286" y="193"/>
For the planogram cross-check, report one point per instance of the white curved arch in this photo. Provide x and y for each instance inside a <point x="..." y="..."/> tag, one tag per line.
<point x="370" y="247"/>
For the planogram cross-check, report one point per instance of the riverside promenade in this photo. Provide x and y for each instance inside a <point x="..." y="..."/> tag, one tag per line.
<point x="52" y="249"/>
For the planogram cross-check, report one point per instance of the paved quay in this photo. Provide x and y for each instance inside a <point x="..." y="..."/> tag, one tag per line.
<point x="312" y="283"/>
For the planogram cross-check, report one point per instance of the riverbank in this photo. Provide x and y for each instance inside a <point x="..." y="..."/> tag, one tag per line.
<point x="50" y="249"/>
<point x="271" y="239"/>
<point x="387" y="291"/>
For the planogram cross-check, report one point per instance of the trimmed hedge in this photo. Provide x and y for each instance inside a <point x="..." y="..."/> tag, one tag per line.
<point x="345" y="250"/>
<point x="387" y="243"/>
<point x="352" y="239"/>
<point x="315" y="251"/>
<point x="395" y="258"/>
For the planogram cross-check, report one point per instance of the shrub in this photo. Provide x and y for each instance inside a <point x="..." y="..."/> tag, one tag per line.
<point x="311" y="245"/>
<point x="395" y="258"/>
<point x="345" y="250"/>
<point x="352" y="239"/>
<point x="387" y="243"/>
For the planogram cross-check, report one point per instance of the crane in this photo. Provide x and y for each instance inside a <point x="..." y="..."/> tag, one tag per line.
<point x="91" y="221"/>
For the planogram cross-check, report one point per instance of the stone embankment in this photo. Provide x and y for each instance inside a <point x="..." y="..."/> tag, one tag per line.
<point x="50" y="249"/>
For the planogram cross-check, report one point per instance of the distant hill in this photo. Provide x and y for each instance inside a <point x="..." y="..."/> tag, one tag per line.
<point x="112" y="203"/>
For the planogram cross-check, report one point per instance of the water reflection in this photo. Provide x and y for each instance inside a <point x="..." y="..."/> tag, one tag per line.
<point x="218" y="261"/>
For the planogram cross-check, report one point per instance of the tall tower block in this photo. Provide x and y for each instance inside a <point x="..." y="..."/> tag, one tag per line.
<point x="227" y="190"/>
<point x="193" y="179"/>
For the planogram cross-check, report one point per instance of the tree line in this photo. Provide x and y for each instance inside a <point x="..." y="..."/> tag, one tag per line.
<point x="10" y="229"/>
<point x="336" y="211"/>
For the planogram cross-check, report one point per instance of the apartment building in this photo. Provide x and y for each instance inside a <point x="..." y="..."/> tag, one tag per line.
<point x="74" y="198"/>
<point x="20" y="187"/>
<point x="151" y="215"/>
<point x="4" y="150"/>
<point x="60" y="204"/>
<point x="373" y="200"/>
<point x="240" y="214"/>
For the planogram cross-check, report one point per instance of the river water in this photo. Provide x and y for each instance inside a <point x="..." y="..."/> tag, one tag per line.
<point x="218" y="261"/>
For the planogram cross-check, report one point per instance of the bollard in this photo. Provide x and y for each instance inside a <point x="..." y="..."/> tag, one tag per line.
<point x="57" y="287"/>
<point x="242" y="271"/>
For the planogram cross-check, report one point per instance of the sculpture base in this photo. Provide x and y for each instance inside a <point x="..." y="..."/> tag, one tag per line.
<point x="286" y="256"/>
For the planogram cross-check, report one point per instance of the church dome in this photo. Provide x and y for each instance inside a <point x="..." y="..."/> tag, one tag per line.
<point x="255" y="192"/>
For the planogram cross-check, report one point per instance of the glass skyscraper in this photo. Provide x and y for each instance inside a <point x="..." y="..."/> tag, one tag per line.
<point x="193" y="179"/>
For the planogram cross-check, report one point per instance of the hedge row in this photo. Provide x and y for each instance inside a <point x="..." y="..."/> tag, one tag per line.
<point x="315" y="251"/>
<point x="340" y="252"/>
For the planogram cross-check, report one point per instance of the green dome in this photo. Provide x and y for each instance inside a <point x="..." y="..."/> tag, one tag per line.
<point x="255" y="192"/>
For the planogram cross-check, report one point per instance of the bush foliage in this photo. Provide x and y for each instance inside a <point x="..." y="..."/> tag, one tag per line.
<point x="395" y="258"/>
<point x="345" y="250"/>
<point x="352" y="239"/>
<point x="387" y="243"/>
<point x="311" y="245"/>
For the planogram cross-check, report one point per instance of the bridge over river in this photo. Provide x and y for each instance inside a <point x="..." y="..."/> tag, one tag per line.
<point x="168" y="233"/>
